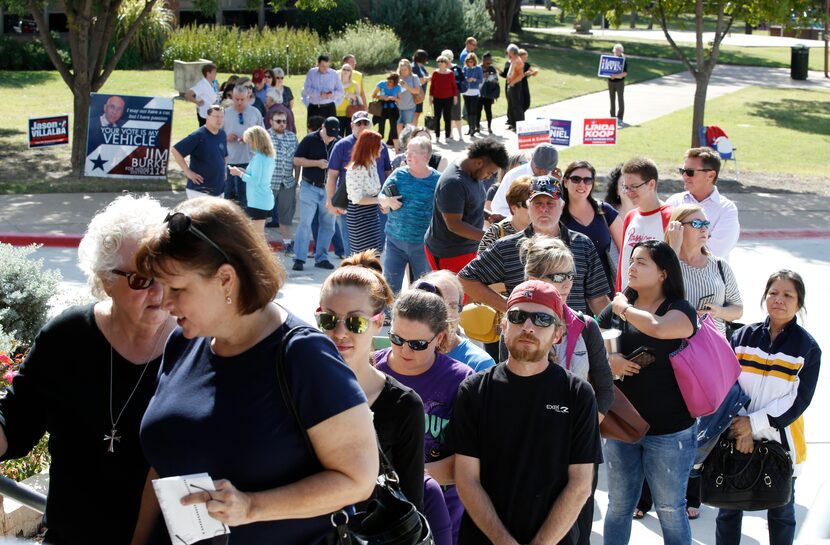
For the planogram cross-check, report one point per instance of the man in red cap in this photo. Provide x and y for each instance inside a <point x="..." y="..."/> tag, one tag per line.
<point x="525" y="433"/>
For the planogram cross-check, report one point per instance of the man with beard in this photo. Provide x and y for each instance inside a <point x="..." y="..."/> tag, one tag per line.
<point x="525" y="433"/>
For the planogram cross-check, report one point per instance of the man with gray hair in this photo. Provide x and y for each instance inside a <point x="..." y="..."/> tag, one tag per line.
<point x="515" y="75"/>
<point x="239" y="117"/>
<point x="542" y="163"/>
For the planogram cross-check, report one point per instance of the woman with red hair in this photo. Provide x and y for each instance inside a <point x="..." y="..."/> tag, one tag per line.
<point x="363" y="190"/>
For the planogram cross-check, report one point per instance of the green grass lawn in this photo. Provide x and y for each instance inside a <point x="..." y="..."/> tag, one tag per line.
<point x="773" y="57"/>
<point x="35" y="94"/>
<point x="774" y="130"/>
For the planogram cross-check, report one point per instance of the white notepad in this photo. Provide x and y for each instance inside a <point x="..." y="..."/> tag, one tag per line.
<point x="187" y="524"/>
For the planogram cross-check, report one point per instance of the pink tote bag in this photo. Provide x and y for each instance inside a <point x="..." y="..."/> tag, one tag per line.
<point x="706" y="368"/>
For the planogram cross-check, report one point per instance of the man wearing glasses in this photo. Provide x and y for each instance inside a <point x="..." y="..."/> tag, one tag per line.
<point x="700" y="170"/>
<point x="239" y="116"/>
<point x="648" y="221"/>
<point x="323" y="90"/>
<point x="525" y="475"/>
<point x="284" y="180"/>
<point x="500" y="263"/>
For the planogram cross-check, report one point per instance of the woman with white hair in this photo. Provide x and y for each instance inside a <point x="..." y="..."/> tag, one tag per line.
<point x="616" y="87"/>
<point x="87" y="381"/>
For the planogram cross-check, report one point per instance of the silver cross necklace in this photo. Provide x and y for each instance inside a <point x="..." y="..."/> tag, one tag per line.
<point x="113" y="435"/>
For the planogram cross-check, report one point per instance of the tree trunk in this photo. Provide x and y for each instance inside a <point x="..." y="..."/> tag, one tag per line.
<point x="699" y="112"/>
<point x="633" y="22"/>
<point x="79" y="127"/>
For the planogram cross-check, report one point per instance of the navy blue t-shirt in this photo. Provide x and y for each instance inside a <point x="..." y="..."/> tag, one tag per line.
<point x="598" y="232"/>
<point x="226" y="416"/>
<point x="207" y="153"/>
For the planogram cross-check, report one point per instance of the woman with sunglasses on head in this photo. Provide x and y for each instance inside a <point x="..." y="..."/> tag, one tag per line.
<point x="218" y="406"/>
<point x="654" y="318"/>
<point x="351" y="99"/>
<point x="419" y="339"/>
<point x="87" y="381"/>
<point x="284" y="93"/>
<point x="581" y="349"/>
<point x="596" y="220"/>
<point x="780" y="363"/>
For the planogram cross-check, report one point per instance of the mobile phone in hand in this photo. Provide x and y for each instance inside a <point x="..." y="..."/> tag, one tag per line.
<point x="391" y="190"/>
<point x="642" y="356"/>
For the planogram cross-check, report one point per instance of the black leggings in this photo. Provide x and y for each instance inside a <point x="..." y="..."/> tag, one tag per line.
<point x="485" y="104"/>
<point x="392" y="115"/>
<point x="443" y="107"/>
<point x="473" y="111"/>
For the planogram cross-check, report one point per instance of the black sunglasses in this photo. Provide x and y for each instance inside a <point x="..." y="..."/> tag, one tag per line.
<point x="587" y="180"/>
<point x="135" y="280"/>
<point x="279" y="122"/>
<point x="356" y="324"/>
<point x="417" y="346"/>
<point x="541" y="319"/>
<point x="691" y="171"/>
<point x="179" y="222"/>
<point x="558" y="278"/>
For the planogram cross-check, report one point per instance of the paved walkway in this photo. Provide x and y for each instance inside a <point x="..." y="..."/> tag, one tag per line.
<point x="681" y="36"/>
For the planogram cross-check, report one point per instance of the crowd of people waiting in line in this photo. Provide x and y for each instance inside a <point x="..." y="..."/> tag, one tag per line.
<point x="178" y="372"/>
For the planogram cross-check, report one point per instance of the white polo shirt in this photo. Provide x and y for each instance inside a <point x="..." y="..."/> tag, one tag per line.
<point x="722" y="212"/>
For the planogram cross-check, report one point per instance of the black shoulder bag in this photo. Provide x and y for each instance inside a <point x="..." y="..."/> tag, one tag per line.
<point x="389" y="518"/>
<point x="762" y="479"/>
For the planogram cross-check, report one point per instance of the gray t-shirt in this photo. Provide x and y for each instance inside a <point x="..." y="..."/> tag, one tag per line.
<point x="407" y="100"/>
<point x="237" y="123"/>
<point x="456" y="193"/>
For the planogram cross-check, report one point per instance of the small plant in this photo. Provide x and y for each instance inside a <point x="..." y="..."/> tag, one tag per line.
<point x="25" y="290"/>
<point x="148" y="41"/>
<point x="39" y="458"/>
<point x="375" y="46"/>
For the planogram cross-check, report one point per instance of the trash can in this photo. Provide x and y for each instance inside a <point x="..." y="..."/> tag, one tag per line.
<point x="799" y="62"/>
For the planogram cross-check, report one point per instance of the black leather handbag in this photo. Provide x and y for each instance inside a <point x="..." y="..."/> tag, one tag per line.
<point x="389" y="518"/>
<point x="340" y="199"/>
<point x="762" y="479"/>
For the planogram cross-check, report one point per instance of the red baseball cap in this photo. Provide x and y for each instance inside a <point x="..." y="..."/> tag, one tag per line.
<point x="536" y="291"/>
<point x="258" y="75"/>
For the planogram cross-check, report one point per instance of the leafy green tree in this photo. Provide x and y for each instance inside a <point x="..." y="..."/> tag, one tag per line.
<point x="503" y="13"/>
<point x="92" y="26"/>
<point x="706" y="53"/>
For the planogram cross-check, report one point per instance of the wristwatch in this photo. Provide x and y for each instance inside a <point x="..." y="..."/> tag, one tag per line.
<point x="622" y="314"/>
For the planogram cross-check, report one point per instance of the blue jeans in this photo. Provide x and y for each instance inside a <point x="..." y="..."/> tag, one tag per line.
<point x="397" y="255"/>
<point x="665" y="461"/>
<point x="343" y="231"/>
<point x="780" y="521"/>
<point x="338" y="242"/>
<point x="313" y="200"/>
<point x="382" y="222"/>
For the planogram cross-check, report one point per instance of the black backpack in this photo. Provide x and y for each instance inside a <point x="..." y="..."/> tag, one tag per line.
<point x="460" y="80"/>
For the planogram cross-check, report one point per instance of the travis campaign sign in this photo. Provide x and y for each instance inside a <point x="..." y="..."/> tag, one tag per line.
<point x="48" y="131"/>
<point x="600" y="131"/>
<point x="610" y="65"/>
<point x="531" y="133"/>
<point x="128" y="136"/>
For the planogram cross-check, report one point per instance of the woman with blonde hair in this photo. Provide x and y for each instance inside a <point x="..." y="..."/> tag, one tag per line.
<point x="410" y="91"/>
<point x="351" y="99"/>
<point x="257" y="177"/>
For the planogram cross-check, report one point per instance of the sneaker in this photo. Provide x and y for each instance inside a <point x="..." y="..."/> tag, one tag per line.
<point x="289" y="248"/>
<point x="298" y="265"/>
<point x="325" y="264"/>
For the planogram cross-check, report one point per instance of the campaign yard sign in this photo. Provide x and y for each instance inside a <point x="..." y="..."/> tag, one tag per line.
<point x="609" y="65"/>
<point x="560" y="132"/>
<point x="128" y="136"/>
<point x="48" y="131"/>
<point x="600" y="131"/>
<point x="533" y="132"/>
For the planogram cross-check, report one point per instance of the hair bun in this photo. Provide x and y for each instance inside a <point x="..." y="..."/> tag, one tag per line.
<point x="368" y="259"/>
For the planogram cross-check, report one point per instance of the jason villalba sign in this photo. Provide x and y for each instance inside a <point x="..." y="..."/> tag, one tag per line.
<point x="128" y="136"/>
<point x="48" y="131"/>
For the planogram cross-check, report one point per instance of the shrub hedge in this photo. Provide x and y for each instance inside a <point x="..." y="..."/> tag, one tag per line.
<point x="30" y="54"/>
<point x="374" y="46"/>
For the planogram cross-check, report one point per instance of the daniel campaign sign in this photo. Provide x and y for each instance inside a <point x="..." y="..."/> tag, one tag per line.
<point x="533" y="132"/>
<point x="560" y="132"/>
<point x="48" y="131"/>
<point x="600" y="131"/>
<point x="128" y="136"/>
<point x="610" y="65"/>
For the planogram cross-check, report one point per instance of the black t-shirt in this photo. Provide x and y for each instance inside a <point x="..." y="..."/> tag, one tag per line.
<point x="399" y="423"/>
<point x="312" y="147"/>
<point x="525" y="431"/>
<point x="456" y="193"/>
<point x="63" y="388"/>
<point x="654" y="391"/>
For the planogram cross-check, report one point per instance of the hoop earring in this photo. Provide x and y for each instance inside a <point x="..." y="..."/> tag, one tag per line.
<point x="228" y="300"/>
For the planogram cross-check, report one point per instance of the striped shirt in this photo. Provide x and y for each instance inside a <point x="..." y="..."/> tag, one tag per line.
<point x="495" y="232"/>
<point x="501" y="263"/>
<point x="706" y="285"/>
<point x="285" y="145"/>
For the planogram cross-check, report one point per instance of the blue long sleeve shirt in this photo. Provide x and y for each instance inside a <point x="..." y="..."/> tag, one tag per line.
<point x="257" y="180"/>
<point x="317" y="83"/>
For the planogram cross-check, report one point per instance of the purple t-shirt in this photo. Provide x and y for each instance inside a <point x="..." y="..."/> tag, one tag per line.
<point x="341" y="156"/>
<point x="437" y="388"/>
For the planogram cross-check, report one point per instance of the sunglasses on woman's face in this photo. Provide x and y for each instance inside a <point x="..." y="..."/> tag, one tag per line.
<point x="179" y="222"/>
<point x="698" y="224"/>
<point x="417" y="346"/>
<point x="135" y="280"/>
<point x="327" y="321"/>
<point x="558" y="278"/>
<point x="540" y="319"/>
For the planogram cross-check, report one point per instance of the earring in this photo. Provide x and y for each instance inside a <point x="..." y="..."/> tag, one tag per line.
<point x="228" y="300"/>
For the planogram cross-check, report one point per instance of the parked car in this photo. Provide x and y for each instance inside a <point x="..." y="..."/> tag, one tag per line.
<point x="25" y="26"/>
